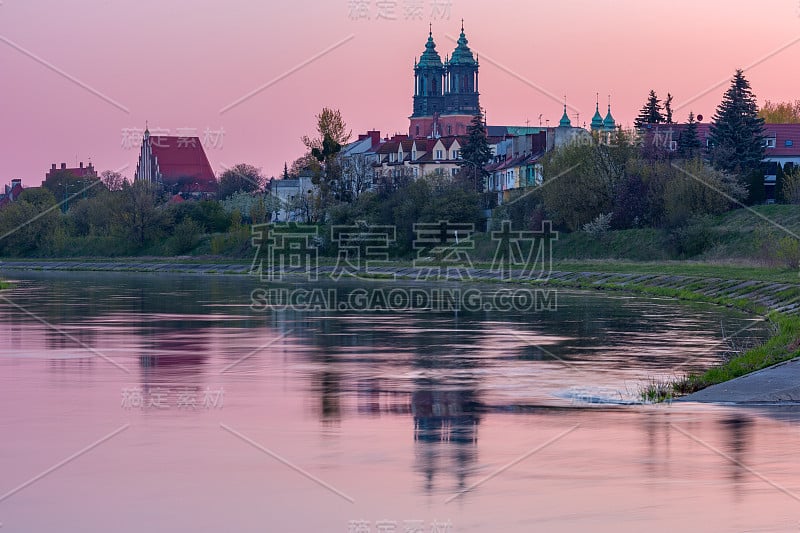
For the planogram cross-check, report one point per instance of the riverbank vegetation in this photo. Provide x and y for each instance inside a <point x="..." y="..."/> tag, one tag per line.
<point x="783" y="345"/>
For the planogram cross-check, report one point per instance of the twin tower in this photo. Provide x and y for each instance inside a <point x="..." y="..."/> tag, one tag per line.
<point x="445" y="93"/>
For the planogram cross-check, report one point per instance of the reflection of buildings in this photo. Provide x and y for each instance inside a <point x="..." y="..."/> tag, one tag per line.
<point x="446" y="433"/>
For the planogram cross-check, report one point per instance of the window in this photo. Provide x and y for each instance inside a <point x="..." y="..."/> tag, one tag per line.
<point x="769" y="142"/>
<point x="413" y="155"/>
<point x="455" y="154"/>
<point x="449" y="130"/>
<point x="788" y="143"/>
<point x="454" y="172"/>
<point x="417" y="131"/>
<point x="391" y="158"/>
<point x="673" y="145"/>
<point x="439" y="154"/>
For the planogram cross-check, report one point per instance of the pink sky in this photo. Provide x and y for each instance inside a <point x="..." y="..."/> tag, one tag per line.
<point x="178" y="63"/>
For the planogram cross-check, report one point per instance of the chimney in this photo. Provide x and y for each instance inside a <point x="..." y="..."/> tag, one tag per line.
<point x="63" y="166"/>
<point x="53" y="167"/>
<point x="16" y="182"/>
<point x="375" y="136"/>
<point x="81" y="164"/>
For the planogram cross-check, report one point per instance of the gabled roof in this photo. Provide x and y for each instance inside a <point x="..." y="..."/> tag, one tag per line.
<point x="183" y="157"/>
<point x="389" y="147"/>
<point x="787" y="140"/>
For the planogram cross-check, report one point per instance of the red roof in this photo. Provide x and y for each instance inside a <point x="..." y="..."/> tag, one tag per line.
<point x="787" y="140"/>
<point x="180" y="158"/>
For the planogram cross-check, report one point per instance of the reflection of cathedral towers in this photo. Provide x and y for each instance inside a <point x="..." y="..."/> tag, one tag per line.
<point x="445" y="93"/>
<point x="446" y="431"/>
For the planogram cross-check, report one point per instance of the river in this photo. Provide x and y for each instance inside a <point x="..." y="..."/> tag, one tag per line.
<point x="165" y="402"/>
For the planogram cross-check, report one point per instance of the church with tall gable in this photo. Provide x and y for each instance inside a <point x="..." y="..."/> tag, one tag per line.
<point x="179" y="164"/>
<point x="446" y="96"/>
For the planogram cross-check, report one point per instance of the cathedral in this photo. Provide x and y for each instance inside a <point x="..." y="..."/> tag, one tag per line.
<point x="445" y="93"/>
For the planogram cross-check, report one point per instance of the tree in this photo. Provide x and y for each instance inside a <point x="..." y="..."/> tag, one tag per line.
<point x="304" y="162"/>
<point x="780" y="112"/>
<point x="140" y="214"/>
<point x="29" y="222"/>
<point x="580" y="182"/>
<point x="240" y="178"/>
<point x="112" y="180"/>
<point x="650" y="112"/>
<point x="737" y="130"/>
<point x="332" y="135"/>
<point x="285" y="171"/>
<point x="668" y="109"/>
<point x="67" y="187"/>
<point x="330" y="124"/>
<point x="689" y="142"/>
<point x="475" y="154"/>
<point x="791" y="186"/>
<point x="357" y="174"/>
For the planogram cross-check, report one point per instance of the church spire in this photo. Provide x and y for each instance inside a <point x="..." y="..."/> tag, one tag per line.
<point x="597" y="119"/>
<point x="609" y="124"/>
<point x="565" y="122"/>
<point x="462" y="55"/>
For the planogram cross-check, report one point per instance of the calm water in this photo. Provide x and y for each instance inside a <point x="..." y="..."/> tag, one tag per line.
<point x="136" y="402"/>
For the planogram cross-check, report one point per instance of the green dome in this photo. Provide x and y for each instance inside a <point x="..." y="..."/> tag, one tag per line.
<point x="430" y="57"/>
<point x="462" y="55"/>
<point x="565" y="122"/>
<point x="597" y="119"/>
<point x="608" y="122"/>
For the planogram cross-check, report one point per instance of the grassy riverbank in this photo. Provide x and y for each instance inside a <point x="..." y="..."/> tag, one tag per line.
<point x="782" y="345"/>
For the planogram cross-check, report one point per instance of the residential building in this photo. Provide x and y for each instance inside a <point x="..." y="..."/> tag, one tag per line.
<point x="358" y="160"/>
<point x="781" y="146"/>
<point x="295" y="195"/>
<point x="11" y="193"/>
<point x="80" y="171"/>
<point x="781" y="149"/>
<point x="68" y="184"/>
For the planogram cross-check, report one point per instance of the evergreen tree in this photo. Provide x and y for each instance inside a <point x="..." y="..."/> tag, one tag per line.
<point x="475" y="154"/>
<point x="285" y="171"/>
<point x="737" y="130"/>
<point x="668" y="109"/>
<point x="689" y="142"/>
<point x="650" y="112"/>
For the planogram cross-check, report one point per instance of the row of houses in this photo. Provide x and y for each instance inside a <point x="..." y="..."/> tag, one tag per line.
<point x="781" y="146"/>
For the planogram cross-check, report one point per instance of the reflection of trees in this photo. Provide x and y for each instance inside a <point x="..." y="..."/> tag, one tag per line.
<point x="737" y="432"/>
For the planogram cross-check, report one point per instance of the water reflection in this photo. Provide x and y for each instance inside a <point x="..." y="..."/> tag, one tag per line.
<point x="422" y="405"/>
<point x="445" y="434"/>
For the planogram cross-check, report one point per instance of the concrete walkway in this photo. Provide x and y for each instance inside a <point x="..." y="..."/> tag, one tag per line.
<point x="776" y="384"/>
